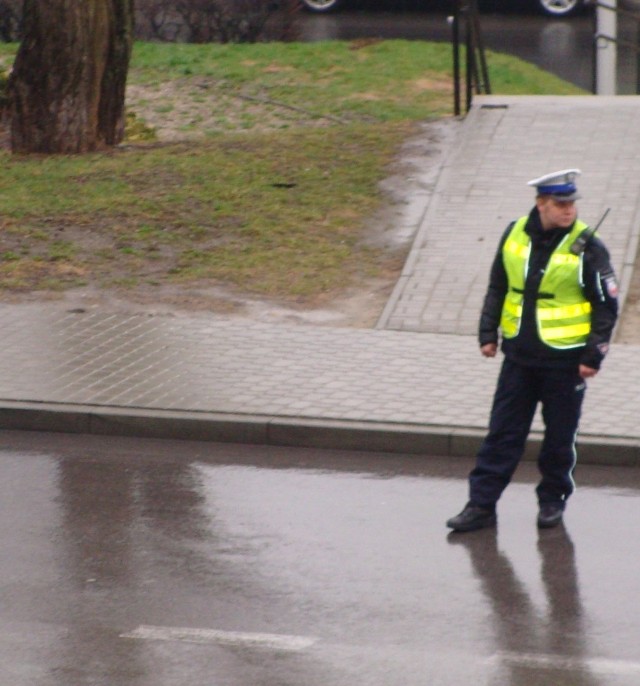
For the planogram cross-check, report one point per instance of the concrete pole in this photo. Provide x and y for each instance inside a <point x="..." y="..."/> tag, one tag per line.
<point x="606" y="48"/>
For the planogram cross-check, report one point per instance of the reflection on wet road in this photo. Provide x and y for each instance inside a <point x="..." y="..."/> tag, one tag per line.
<point x="132" y="562"/>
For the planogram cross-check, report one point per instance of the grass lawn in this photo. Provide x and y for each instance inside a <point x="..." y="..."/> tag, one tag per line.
<point x="251" y="166"/>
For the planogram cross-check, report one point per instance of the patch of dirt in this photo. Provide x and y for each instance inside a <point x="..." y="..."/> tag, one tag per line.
<point x="190" y="108"/>
<point x="359" y="307"/>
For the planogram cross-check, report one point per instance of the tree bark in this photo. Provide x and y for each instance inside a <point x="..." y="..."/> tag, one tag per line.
<point x="67" y="88"/>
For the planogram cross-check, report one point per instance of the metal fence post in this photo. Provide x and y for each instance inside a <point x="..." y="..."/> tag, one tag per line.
<point x="455" y="39"/>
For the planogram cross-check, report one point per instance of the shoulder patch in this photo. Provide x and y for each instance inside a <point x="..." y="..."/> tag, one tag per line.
<point x="612" y="286"/>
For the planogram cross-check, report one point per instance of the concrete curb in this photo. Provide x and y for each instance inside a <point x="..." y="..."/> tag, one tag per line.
<point x="412" y="439"/>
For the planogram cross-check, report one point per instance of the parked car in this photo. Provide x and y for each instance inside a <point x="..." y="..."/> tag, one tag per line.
<point x="554" y="8"/>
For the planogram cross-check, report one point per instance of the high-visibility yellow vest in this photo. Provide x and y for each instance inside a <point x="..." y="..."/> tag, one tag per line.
<point x="563" y="314"/>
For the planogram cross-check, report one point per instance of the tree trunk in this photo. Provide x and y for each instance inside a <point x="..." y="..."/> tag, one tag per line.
<point x="67" y="87"/>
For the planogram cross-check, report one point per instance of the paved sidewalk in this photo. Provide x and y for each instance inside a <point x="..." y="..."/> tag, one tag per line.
<point x="504" y="142"/>
<point x="416" y="383"/>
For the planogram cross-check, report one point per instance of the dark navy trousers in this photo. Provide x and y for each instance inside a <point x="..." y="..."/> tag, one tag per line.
<point x="519" y="390"/>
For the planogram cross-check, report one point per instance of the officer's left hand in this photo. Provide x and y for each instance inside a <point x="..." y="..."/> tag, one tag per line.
<point x="489" y="349"/>
<point x="587" y="372"/>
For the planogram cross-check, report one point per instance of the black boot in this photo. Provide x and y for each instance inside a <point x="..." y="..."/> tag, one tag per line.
<point x="550" y="515"/>
<point x="472" y="517"/>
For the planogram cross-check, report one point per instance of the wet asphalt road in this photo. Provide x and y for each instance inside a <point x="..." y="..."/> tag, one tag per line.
<point x="564" y="47"/>
<point x="154" y="563"/>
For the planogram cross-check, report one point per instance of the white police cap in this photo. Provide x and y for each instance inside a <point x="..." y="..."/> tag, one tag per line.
<point x="559" y="185"/>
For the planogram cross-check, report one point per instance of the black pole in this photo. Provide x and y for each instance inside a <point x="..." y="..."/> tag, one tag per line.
<point x="455" y="39"/>
<point x="638" y="57"/>
<point x="594" y="62"/>
<point x="479" y="44"/>
<point x="470" y="63"/>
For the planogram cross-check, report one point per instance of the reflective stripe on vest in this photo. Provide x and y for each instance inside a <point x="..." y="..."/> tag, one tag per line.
<point x="563" y="314"/>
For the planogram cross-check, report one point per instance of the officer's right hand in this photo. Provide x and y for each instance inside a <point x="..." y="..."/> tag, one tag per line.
<point x="489" y="349"/>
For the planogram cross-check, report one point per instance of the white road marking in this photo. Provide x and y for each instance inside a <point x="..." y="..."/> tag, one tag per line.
<point x="596" y="665"/>
<point x="284" y="642"/>
<point x="234" y="638"/>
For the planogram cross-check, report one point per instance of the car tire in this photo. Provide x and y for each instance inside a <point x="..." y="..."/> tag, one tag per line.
<point x="560" y="8"/>
<point x="322" y="5"/>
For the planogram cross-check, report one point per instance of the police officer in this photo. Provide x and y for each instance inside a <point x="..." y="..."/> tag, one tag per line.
<point x="553" y="296"/>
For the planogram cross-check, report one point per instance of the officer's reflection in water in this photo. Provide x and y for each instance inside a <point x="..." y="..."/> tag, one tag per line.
<point x="532" y="647"/>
